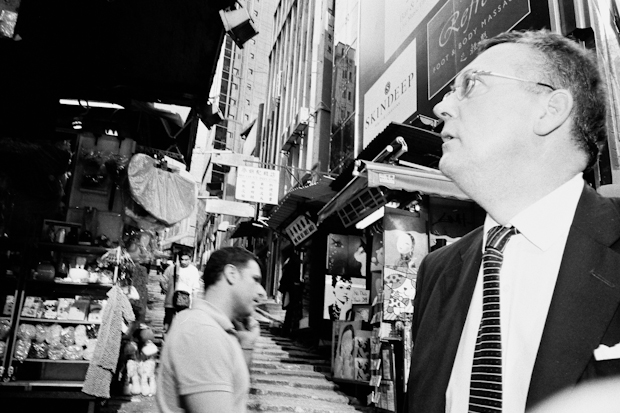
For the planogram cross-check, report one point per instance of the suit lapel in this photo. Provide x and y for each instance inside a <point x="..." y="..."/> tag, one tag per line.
<point x="586" y="296"/>
<point x="457" y="291"/>
<point x="443" y="319"/>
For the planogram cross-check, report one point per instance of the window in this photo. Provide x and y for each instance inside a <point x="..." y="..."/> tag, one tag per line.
<point x="251" y="55"/>
<point x="256" y="13"/>
<point x="231" y="116"/>
<point x="235" y="71"/>
<point x="249" y="86"/>
<point x="349" y="98"/>
<point x="247" y="102"/>
<point x="235" y="86"/>
<point x="251" y="71"/>
<point x="233" y="102"/>
<point x="247" y="117"/>
<point x="344" y="73"/>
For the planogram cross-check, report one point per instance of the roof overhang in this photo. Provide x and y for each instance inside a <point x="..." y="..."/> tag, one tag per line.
<point x="411" y="179"/>
<point x="110" y="51"/>
<point x="390" y="177"/>
<point x="313" y="194"/>
<point x="424" y="148"/>
<point x="250" y="229"/>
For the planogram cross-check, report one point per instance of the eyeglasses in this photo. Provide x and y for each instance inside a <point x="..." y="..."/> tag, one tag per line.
<point x="464" y="84"/>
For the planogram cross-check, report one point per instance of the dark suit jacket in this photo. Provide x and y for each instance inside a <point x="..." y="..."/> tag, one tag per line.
<point x="584" y="310"/>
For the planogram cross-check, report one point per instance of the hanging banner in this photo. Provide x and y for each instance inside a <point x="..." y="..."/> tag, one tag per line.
<point x="257" y="185"/>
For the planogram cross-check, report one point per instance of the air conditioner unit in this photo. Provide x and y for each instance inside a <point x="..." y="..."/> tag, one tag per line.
<point x="239" y="25"/>
<point x="301" y="120"/>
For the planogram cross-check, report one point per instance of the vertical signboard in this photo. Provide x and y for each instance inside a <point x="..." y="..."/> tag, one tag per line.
<point x="402" y="17"/>
<point x="394" y="95"/>
<point x="455" y="30"/>
<point x="257" y="185"/>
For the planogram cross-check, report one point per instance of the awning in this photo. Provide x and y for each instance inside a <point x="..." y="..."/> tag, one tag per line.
<point x="411" y="179"/>
<point x="312" y="194"/>
<point x="250" y="229"/>
<point x="424" y="148"/>
<point x="399" y="178"/>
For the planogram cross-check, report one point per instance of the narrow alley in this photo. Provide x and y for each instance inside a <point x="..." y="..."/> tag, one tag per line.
<point x="285" y="376"/>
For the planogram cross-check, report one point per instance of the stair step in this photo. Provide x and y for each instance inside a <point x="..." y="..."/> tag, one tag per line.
<point x="288" y="373"/>
<point x="263" y="345"/>
<point x="315" y="383"/>
<point x="272" y="390"/>
<point x="289" y="361"/>
<point x="284" y="355"/>
<point x="290" y="367"/>
<point x="299" y="405"/>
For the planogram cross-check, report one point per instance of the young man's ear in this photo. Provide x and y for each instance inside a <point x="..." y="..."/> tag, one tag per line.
<point x="231" y="274"/>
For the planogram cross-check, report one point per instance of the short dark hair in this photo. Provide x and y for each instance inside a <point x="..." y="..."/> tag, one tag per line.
<point x="564" y="64"/>
<point x="239" y="257"/>
<point x="342" y="278"/>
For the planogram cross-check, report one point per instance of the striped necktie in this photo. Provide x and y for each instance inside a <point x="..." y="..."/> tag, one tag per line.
<point x="485" y="394"/>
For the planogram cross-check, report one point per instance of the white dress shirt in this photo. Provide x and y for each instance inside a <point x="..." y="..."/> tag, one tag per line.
<point x="529" y="272"/>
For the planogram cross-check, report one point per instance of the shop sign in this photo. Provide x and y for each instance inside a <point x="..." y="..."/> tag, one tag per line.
<point x="393" y="97"/>
<point x="300" y="229"/>
<point x="454" y="32"/>
<point x="232" y="159"/>
<point x="401" y="18"/>
<point x="387" y="179"/>
<point x="235" y="209"/>
<point x="257" y="185"/>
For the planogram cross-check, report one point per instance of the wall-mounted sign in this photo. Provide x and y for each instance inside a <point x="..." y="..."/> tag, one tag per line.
<point x="236" y="209"/>
<point x="454" y="32"/>
<point x="393" y="97"/>
<point x="300" y="229"/>
<point x="401" y="18"/>
<point x="257" y="185"/>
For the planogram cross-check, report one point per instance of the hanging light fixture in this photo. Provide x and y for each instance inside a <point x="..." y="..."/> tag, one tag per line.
<point x="77" y="123"/>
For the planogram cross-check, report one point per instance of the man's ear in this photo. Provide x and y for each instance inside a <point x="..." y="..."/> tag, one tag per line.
<point x="231" y="274"/>
<point x="555" y="111"/>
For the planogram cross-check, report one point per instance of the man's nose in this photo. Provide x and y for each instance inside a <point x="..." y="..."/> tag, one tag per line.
<point x="445" y="108"/>
<point x="262" y="294"/>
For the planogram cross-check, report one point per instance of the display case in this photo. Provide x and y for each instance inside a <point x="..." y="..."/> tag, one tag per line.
<point x="55" y="320"/>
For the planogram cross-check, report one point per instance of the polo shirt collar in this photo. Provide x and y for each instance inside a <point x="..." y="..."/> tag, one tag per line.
<point x="215" y="313"/>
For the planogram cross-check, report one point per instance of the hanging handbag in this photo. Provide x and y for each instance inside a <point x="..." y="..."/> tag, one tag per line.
<point x="180" y="299"/>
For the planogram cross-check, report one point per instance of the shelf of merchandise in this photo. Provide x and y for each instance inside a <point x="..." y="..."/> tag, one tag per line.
<point x="43" y="375"/>
<point x="63" y="361"/>
<point x="52" y="320"/>
<point x="72" y="248"/>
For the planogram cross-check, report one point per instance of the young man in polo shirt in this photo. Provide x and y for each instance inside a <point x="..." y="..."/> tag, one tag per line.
<point x="204" y="362"/>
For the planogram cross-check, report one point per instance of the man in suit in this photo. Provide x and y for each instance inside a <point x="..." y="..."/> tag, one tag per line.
<point x="523" y="122"/>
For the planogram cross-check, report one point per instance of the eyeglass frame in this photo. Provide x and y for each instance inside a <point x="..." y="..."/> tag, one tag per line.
<point x="476" y="74"/>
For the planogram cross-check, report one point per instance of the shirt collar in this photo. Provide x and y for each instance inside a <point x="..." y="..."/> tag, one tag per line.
<point x="215" y="313"/>
<point x="549" y="219"/>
